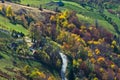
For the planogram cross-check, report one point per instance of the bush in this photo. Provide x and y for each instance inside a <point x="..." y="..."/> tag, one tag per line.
<point x="60" y="3"/>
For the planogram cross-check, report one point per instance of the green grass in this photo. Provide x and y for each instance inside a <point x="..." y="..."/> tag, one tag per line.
<point x="107" y="26"/>
<point x="89" y="16"/>
<point x="9" y="26"/>
<point x="103" y="23"/>
<point x="79" y="9"/>
<point x="114" y="18"/>
<point x="6" y="62"/>
<point x="73" y="4"/>
<point x="35" y="3"/>
<point x="4" y="35"/>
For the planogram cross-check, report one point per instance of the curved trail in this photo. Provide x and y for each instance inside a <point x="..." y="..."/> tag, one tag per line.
<point x="18" y="6"/>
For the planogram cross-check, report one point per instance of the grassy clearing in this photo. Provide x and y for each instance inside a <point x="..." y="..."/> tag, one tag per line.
<point x="79" y="9"/>
<point x="114" y="18"/>
<point x="107" y="26"/>
<point x="35" y="3"/>
<point x="73" y="4"/>
<point x="9" y="26"/>
<point x="102" y="23"/>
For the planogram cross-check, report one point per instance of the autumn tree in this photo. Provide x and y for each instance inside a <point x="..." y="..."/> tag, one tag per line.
<point x="24" y="22"/>
<point x="51" y="78"/>
<point x="33" y="73"/>
<point x="37" y="30"/>
<point x="9" y="12"/>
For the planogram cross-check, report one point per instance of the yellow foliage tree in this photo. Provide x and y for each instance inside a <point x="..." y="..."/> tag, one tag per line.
<point x="101" y="59"/>
<point x="65" y="23"/>
<point x="93" y="60"/>
<point x="9" y="11"/>
<point x="58" y="63"/>
<point x="114" y="43"/>
<point x="53" y="18"/>
<point x="35" y="72"/>
<point x="95" y="78"/>
<point x="1" y="7"/>
<point x="90" y="53"/>
<point x="62" y="37"/>
<point x="26" y="70"/>
<point x="64" y="14"/>
<point x="51" y="78"/>
<point x="76" y="63"/>
<point x="94" y="42"/>
<point x="97" y="51"/>
<point x="41" y="74"/>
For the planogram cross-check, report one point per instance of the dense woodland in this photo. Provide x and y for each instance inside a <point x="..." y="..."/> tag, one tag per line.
<point x="93" y="52"/>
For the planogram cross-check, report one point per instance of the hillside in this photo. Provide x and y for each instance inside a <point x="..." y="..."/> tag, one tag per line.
<point x="59" y="40"/>
<point x="89" y="13"/>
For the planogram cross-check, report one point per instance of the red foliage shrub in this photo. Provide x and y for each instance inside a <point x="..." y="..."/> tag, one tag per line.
<point x="74" y="19"/>
<point x="76" y="31"/>
<point x="106" y="35"/>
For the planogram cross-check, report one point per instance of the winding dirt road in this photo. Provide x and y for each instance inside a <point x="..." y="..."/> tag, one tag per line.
<point x="18" y="6"/>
